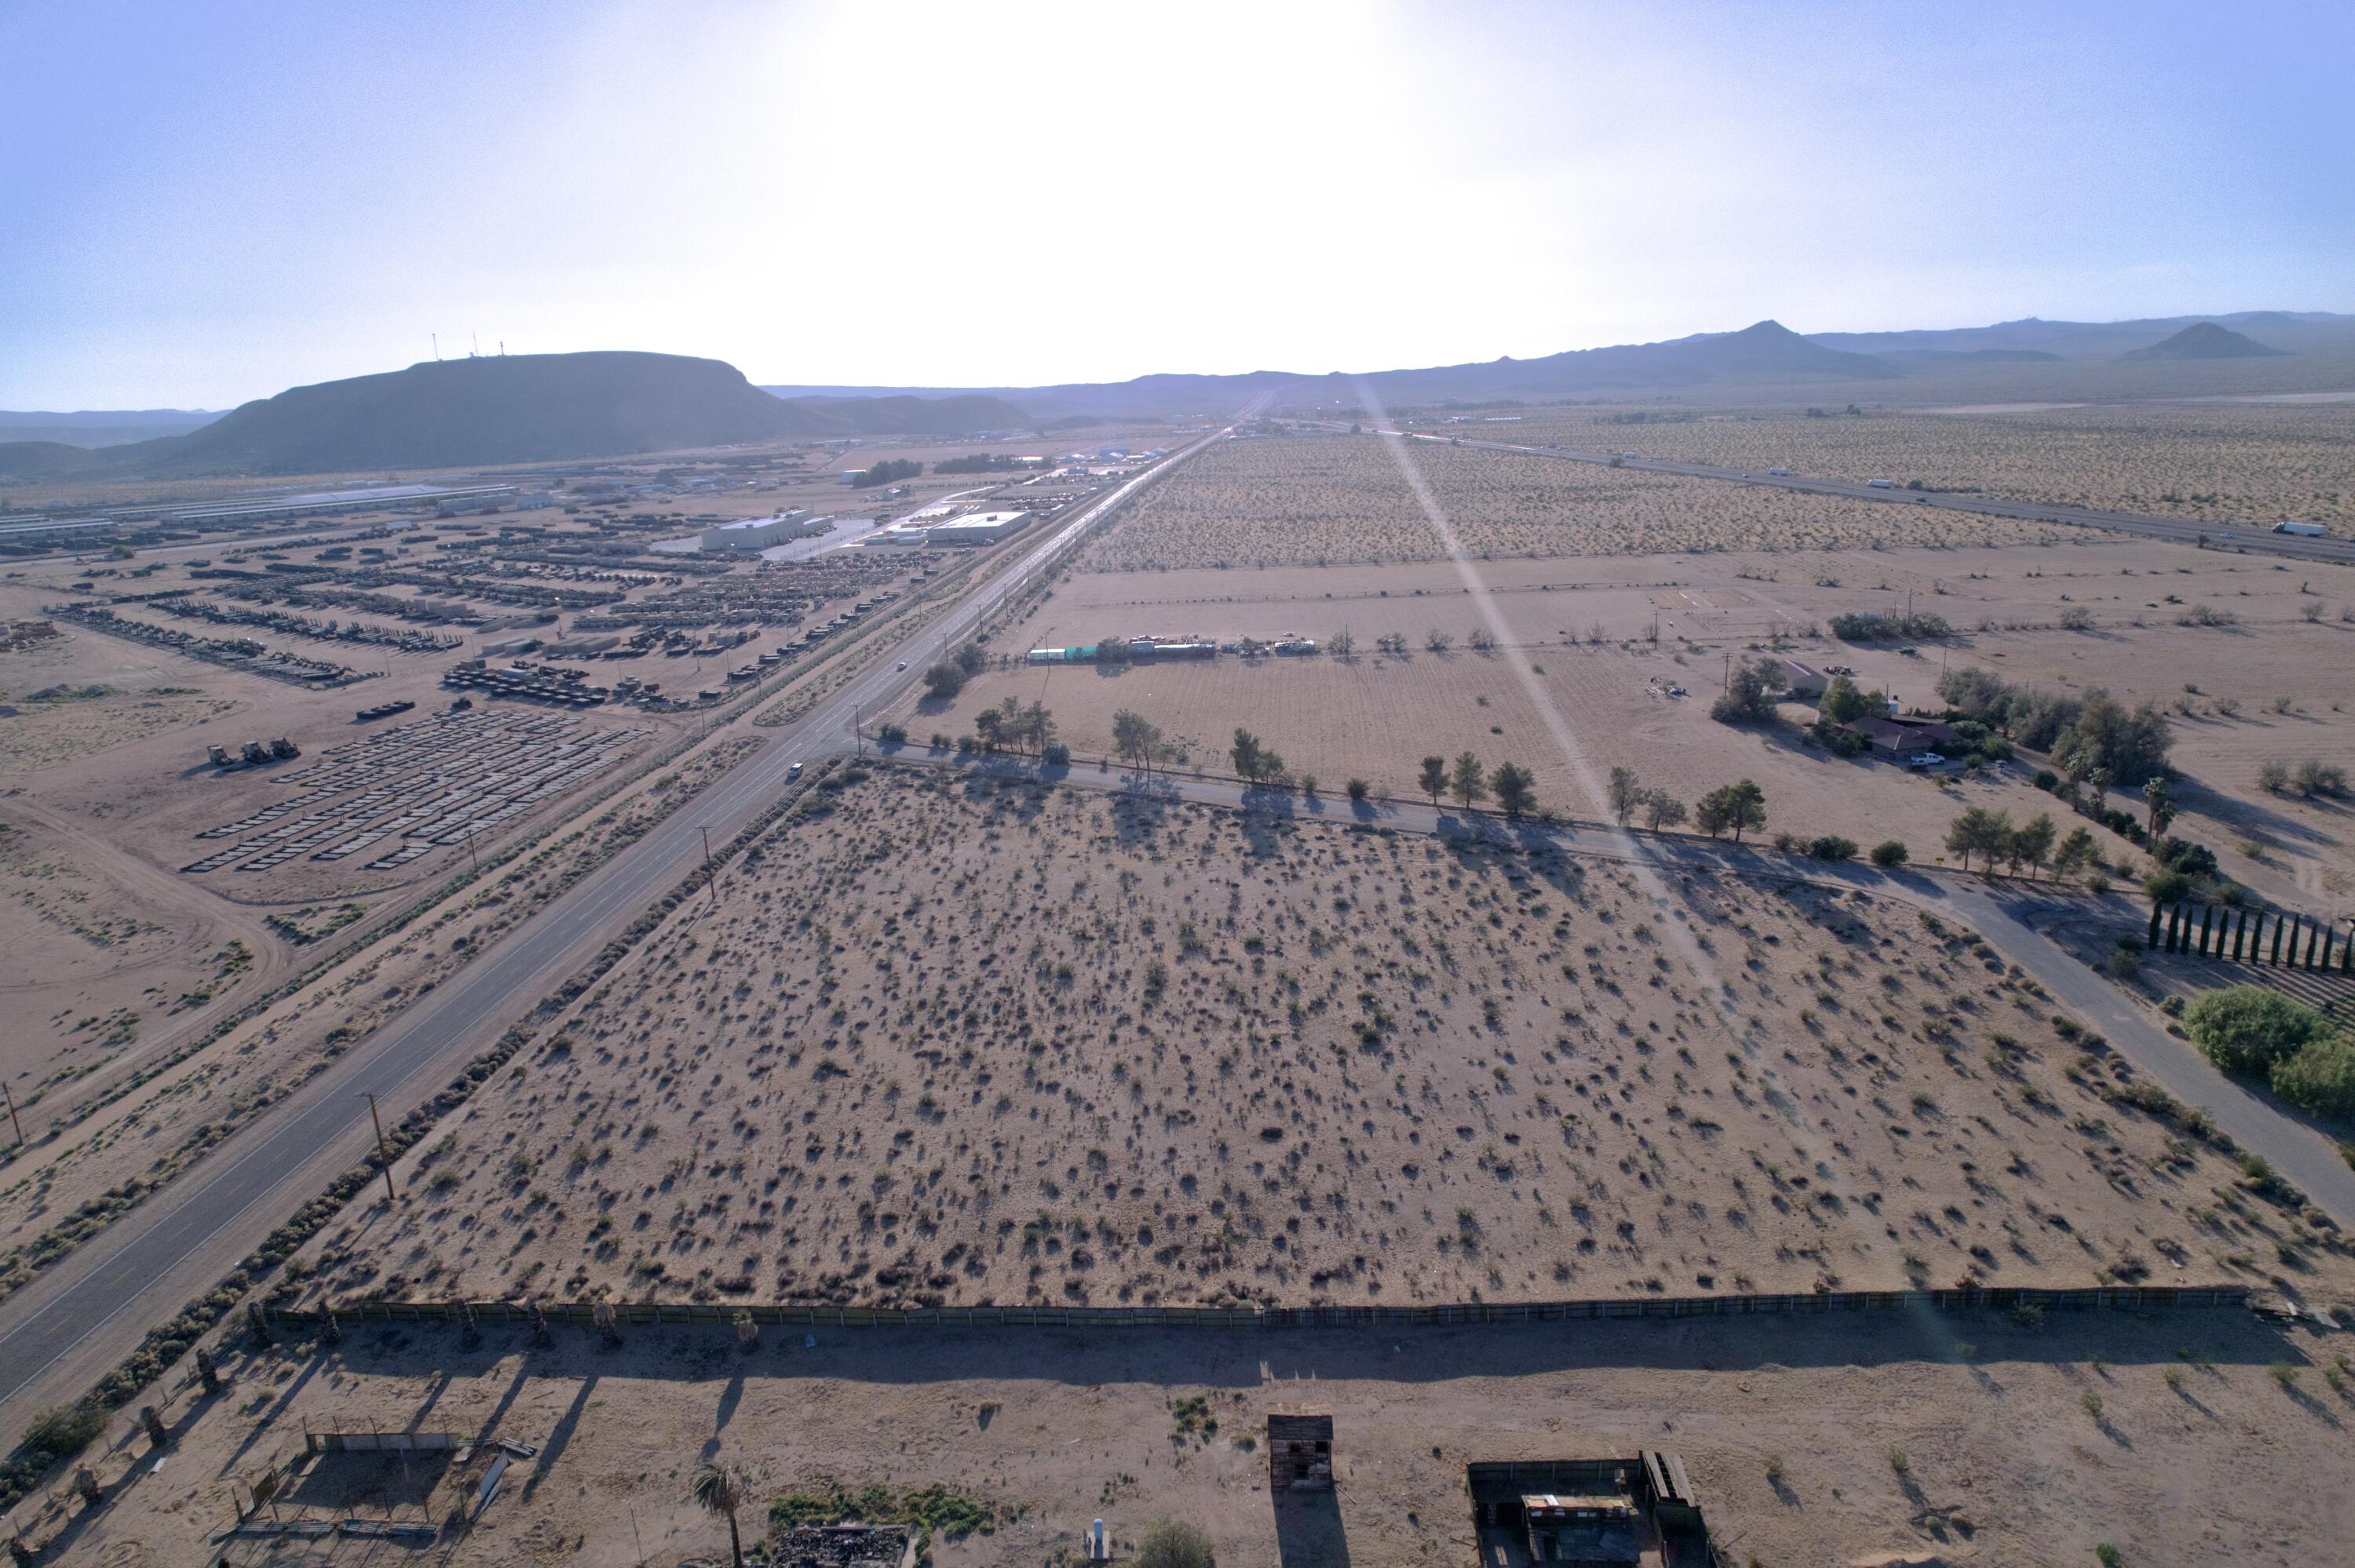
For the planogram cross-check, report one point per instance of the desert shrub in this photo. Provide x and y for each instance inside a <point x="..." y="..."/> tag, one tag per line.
<point x="2313" y="777"/>
<point x="2320" y="1076"/>
<point x="1173" y="1543"/>
<point x="1055" y="754"/>
<point x="1889" y="853"/>
<point x="63" y="1430"/>
<point x="2184" y="856"/>
<point x="1831" y="846"/>
<point x="1873" y="626"/>
<point x="893" y="734"/>
<point x="2249" y="1029"/>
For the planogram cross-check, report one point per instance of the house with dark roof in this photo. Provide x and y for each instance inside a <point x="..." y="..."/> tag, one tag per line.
<point x="1903" y="736"/>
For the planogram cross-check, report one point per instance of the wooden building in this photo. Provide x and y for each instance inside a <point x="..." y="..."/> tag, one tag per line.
<point x="1299" y="1451"/>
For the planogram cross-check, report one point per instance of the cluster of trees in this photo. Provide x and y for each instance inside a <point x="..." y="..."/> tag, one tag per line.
<point x="1011" y="726"/>
<point x="1750" y="692"/>
<point x="2249" y="1030"/>
<point x="1994" y="838"/>
<point x="889" y="471"/>
<point x="1629" y="797"/>
<point x="1471" y="782"/>
<point x="1138" y="741"/>
<point x="1843" y="704"/>
<point x="2094" y="738"/>
<point x="1874" y="626"/>
<point x="978" y="462"/>
<point x="1255" y="761"/>
<point x="947" y="678"/>
<point x="1738" y="808"/>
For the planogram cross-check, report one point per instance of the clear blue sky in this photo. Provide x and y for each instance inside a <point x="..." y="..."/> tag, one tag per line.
<point x="201" y="204"/>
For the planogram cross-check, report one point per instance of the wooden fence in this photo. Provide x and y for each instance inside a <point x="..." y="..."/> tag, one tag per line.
<point x="2001" y="1298"/>
<point x="2250" y="937"/>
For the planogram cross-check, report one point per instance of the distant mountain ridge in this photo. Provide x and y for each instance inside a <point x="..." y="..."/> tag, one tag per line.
<point x="1764" y="352"/>
<point x="94" y="427"/>
<point x="536" y="407"/>
<point x="478" y="412"/>
<point x="2205" y="340"/>
<point x="2294" y="331"/>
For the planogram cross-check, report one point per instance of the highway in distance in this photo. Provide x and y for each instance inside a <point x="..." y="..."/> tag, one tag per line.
<point x="78" y="1321"/>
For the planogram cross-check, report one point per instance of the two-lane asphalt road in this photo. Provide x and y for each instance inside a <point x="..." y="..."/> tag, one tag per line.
<point x="66" y="1329"/>
<point x="2330" y="548"/>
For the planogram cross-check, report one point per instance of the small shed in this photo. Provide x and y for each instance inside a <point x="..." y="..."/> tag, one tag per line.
<point x="1596" y="1529"/>
<point x="1299" y="1451"/>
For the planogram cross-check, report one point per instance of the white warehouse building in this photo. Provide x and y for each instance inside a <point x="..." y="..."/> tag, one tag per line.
<point x="758" y="532"/>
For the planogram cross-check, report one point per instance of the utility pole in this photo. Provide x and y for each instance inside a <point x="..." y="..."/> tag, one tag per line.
<point x="473" y="860"/>
<point x="383" y="1155"/>
<point x="710" y="876"/>
<point x="12" y="1113"/>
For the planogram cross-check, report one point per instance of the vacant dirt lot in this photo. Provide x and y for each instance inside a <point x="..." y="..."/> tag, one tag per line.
<point x="1877" y="1439"/>
<point x="2258" y="686"/>
<point x="959" y="1041"/>
<point x="2210" y="462"/>
<point x="1341" y="500"/>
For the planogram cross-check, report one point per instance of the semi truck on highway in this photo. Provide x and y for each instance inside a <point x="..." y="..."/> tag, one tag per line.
<point x="2303" y="530"/>
<point x="1880" y="484"/>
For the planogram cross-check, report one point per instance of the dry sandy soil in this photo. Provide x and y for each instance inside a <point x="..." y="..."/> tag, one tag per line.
<point x="1341" y="500"/>
<point x="2267" y="687"/>
<point x="2169" y="1437"/>
<point x="138" y="1109"/>
<point x="2209" y="461"/>
<point x="965" y="1042"/>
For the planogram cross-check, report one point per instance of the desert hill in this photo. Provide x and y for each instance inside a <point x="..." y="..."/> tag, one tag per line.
<point x="2205" y="340"/>
<point x="100" y="428"/>
<point x="476" y="412"/>
<point x="41" y="460"/>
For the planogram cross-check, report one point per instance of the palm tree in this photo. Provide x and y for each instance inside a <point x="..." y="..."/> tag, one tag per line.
<point x="720" y="1489"/>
